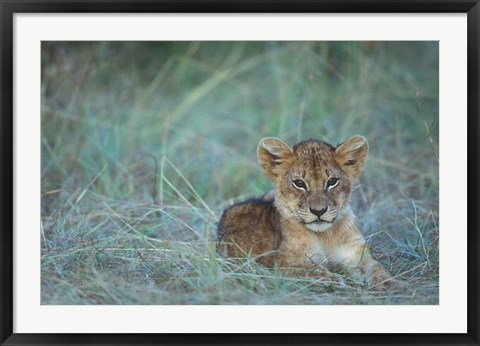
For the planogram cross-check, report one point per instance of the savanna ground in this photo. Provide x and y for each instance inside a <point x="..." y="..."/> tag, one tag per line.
<point x="145" y="143"/>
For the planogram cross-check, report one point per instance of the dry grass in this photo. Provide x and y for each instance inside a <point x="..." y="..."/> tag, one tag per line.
<point x="144" y="144"/>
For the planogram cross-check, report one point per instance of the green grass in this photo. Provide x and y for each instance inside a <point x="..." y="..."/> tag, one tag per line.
<point x="145" y="143"/>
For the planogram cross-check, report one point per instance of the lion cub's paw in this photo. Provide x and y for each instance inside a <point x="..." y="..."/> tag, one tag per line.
<point x="398" y="285"/>
<point x="388" y="284"/>
<point x="378" y="278"/>
<point x="327" y="276"/>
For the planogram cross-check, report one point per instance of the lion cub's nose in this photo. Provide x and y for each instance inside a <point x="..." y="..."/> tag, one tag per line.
<point x="318" y="212"/>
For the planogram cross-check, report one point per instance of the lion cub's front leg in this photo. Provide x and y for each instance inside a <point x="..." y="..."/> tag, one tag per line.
<point x="355" y="257"/>
<point x="302" y="261"/>
<point x="375" y="274"/>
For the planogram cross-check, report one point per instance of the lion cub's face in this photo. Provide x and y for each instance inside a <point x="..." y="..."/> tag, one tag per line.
<point x="313" y="180"/>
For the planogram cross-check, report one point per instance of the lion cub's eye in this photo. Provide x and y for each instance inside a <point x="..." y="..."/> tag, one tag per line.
<point x="299" y="184"/>
<point x="332" y="182"/>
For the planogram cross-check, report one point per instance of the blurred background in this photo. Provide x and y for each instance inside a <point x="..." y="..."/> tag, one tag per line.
<point x="145" y="143"/>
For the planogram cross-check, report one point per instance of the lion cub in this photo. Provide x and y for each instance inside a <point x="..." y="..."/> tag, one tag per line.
<point x="305" y="225"/>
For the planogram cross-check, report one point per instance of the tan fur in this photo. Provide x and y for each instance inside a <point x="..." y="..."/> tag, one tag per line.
<point x="305" y="225"/>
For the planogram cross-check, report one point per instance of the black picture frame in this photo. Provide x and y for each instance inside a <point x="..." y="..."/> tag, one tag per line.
<point x="9" y="8"/>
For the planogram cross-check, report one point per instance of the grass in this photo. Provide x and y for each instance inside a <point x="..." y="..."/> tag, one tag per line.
<point x="145" y="143"/>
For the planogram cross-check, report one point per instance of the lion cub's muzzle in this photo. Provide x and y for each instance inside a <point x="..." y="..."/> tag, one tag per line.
<point x="319" y="213"/>
<point x="319" y="220"/>
<point x="326" y="214"/>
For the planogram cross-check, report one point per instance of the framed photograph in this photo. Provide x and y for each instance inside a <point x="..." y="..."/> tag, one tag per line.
<point x="239" y="172"/>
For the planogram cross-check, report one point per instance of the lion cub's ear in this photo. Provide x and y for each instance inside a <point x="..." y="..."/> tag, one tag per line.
<point x="352" y="154"/>
<point x="274" y="156"/>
